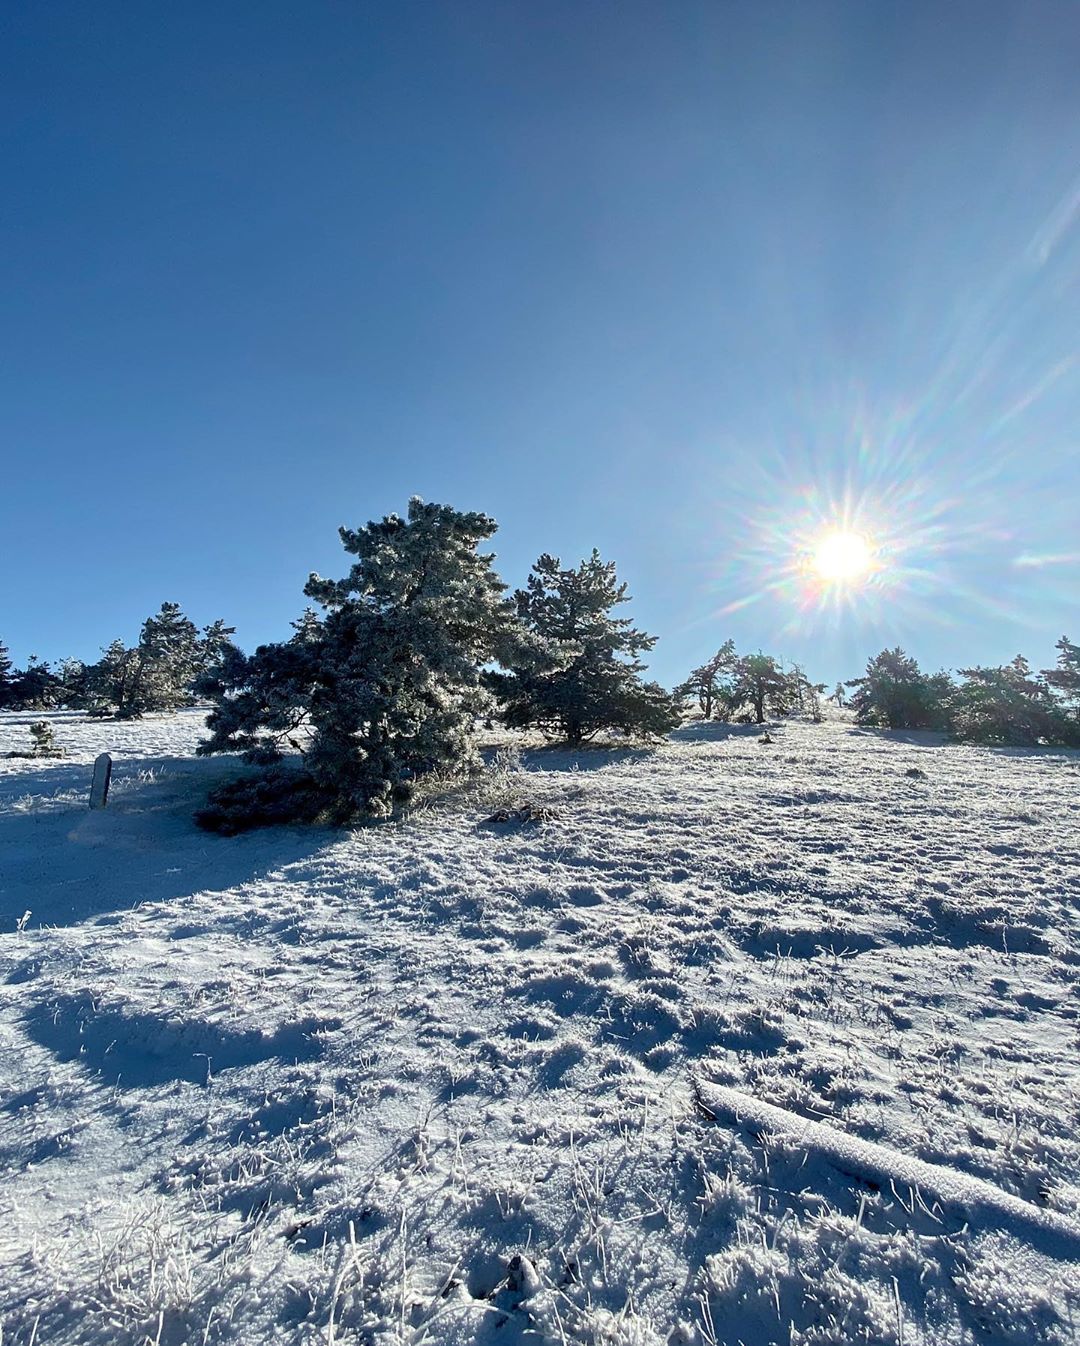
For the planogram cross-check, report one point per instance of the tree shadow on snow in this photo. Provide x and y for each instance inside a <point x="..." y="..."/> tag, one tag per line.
<point x="1048" y="752"/>
<point x="715" y="731"/>
<point x="560" y="758"/>
<point x="66" y="863"/>
<point x="919" y="738"/>
<point x="933" y="738"/>
<point x="139" y="1049"/>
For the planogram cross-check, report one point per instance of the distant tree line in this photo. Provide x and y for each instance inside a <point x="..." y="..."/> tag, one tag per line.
<point x="157" y="673"/>
<point x="420" y="642"/>
<point x="1006" y="705"/>
<point x="1010" y="704"/>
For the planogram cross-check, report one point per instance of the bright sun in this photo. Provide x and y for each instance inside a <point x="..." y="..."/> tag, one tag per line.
<point x="840" y="557"/>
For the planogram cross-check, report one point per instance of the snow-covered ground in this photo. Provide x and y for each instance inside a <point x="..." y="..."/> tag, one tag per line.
<point x="745" y="1043"/>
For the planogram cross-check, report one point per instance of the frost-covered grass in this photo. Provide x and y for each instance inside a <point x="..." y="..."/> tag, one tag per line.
<point x="448" y="1079"/>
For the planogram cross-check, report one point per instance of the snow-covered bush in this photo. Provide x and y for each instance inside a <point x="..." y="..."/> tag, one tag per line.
<point x="44" y="740"/>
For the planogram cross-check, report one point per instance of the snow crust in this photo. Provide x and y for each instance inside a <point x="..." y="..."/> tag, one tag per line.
<point x="441" y="1080"/>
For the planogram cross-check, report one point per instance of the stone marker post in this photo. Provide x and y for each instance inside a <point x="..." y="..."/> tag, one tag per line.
<point x="99" y="787"/>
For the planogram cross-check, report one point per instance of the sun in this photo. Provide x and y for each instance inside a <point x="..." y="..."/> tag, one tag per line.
<point x="842" y="557"/>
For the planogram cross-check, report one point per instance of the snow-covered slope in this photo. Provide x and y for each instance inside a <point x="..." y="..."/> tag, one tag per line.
<point x="442" y="1081"/>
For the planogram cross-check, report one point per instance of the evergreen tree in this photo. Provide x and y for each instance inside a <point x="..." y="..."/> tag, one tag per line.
<point x="216" y="641"/>
<point x="262" y="701"/>
<point x="73" y="678"/>
<point x="43" y="740"/>
<point x="35" y="687"/>
<point x="713" y="684"/>
<point x="169" y="660"/>
<point x="1064" y="682"/>
<point x="7" y="677"/>
<point x="1007" y="705"/>
<point x="761" y="683"/>
<point x="308" y="626"/>
<point x="894" y="693"/>
<point x="111" y="682"/>
<point x="597" y="683"/>
<point x="387" y="685"/>
<point x="159" y="672"/>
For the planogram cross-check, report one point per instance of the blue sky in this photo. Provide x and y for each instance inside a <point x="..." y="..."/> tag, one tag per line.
<point x="680" y="281"/>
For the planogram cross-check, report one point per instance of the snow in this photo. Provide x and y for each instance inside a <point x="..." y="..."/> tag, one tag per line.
<point x="879" y="1165"/>
<point x="441" y="1080"/>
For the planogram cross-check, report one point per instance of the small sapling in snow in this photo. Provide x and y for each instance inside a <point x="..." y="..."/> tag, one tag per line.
<point x="44" y="740"/>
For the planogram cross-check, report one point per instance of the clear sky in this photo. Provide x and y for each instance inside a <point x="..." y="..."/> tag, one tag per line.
<point x="681" y="281"/>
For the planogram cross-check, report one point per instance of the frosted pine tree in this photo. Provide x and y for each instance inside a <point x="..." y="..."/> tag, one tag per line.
<point x="111" y="681"/>
<point x="36" y="686"/>
<point x="408" y="631"/>
<point x="261" y="701"/>
<point x="169" y="659"/>
<point x="762" y="684"/>
<point x="159" y="672"/>
<point x="308" y="626"/>
<point x="213" y="645"/>
<point x="598" y="684"/>
<point x="894" y="693"/>
<point x="805" y="695"/>
<point x="74" y="679"/>
<point x="386" y="687"/>
<point x="43" y="739"/>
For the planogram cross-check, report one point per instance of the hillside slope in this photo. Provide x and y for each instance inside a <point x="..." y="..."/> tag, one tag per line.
<point x="448" y="1080"/>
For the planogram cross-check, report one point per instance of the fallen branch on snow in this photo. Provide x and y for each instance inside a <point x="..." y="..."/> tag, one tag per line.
<point x="988" y="1205"/>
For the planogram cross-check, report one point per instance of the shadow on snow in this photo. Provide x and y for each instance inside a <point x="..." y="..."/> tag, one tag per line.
<point x="66" y="864"/>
